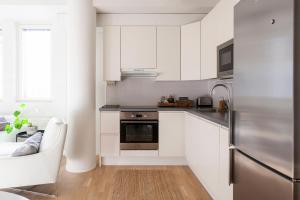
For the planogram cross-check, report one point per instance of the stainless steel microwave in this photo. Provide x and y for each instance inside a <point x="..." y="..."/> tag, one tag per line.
<point x="225" y="60"/>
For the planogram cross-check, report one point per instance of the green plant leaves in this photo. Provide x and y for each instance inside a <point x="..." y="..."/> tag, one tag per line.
<point x="18" y="122"/>
<point x="8" y="128"/>
<point x="23" y="105"/>
<point x="17" y="113"/>
<point x="24" y="121"/>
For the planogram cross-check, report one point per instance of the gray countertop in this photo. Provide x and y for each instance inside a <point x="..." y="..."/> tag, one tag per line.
<point x="216" y="117"/>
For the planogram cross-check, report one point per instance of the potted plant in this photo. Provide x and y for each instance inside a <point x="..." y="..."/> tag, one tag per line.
<point x="18" y="121"/>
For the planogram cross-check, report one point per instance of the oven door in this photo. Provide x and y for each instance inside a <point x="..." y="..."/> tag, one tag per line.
<point x="139" y="135"/>
<point x="225" y="60"/>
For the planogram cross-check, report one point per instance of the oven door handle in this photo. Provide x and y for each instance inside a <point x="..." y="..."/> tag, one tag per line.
<point x="139" y="122"/>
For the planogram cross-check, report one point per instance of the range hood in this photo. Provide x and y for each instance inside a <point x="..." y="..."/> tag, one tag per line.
<point x="140" y="73"/>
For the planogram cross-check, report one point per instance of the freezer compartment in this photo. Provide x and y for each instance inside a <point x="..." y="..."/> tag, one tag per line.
<point x="254" y="181"/>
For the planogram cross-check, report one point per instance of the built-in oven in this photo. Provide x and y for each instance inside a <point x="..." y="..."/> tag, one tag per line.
<point x="139" y="130"/>
<point x="225" y="60"/>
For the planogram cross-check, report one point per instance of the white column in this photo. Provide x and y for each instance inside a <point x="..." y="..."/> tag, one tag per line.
<point x="80" y="148"/>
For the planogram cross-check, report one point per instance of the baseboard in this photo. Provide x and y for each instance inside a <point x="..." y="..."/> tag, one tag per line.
<point x="124" y="160"/>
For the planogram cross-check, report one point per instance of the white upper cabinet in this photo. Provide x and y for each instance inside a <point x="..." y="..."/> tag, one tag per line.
<point x="171" y="134"/>
<point x="190" y="51"/>
<point x="111" y="53"/>
<point x="168" y="53"/>
<point x="209" y="40"/>
<point x="224" y="12"/>
<point x="138" y="47"/>
<point x="216" y="28"/>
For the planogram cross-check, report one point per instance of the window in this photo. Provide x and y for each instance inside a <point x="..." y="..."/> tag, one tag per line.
<point x="1" y="65"/>
<point x="35" y="63"/>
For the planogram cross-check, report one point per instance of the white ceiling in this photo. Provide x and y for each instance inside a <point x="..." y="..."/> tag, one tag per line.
<point x="32" y="2"/>
<point x="154" y="6"/>
<point x="133" y="6"/>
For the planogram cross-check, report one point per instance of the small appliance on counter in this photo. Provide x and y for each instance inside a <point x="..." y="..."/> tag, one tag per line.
<point x="204" y="102"/>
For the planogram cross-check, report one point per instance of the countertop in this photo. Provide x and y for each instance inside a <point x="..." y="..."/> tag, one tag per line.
<point x="216" y="117"/>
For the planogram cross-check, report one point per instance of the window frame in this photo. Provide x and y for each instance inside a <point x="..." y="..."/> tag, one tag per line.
<point x="19" y="90"/>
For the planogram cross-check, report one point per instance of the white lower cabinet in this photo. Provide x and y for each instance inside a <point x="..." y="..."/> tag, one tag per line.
<point x="207" y="154"/>
<point x="225" y="190"/>
<point x="171" y="134"/>
<point x="110" y="145"/>
<point x="202" y="151"/>
<point x="110" y="133"/>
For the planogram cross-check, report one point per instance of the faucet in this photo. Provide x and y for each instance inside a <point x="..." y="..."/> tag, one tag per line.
<point x="228" y="93"/>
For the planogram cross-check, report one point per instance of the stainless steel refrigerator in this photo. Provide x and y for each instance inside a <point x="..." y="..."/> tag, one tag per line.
<point x="266" y="100"/>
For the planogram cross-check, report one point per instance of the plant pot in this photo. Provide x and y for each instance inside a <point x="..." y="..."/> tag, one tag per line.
<point x="31" y="130"/>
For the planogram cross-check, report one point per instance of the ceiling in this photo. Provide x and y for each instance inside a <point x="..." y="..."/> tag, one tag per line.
<point x="154" y="6"/>
<point x="32" y="2"/>
<point x="133" y="6"/>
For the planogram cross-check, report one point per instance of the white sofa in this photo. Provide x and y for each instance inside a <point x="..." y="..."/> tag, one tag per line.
<point x="36" y="169"/>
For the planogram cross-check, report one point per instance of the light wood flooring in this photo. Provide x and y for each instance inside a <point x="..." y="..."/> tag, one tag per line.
<point x="127" y="183"/>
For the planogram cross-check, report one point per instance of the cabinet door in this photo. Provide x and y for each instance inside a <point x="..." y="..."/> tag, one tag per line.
<point x="138" y="47"/>
<point x="110" y="145"/>
<point x="224" y="12"/>
<point x="225" y="191"/>
<point x="111" y="53"/>
<point x="192" y="142"/>
<point x="209" y="155"/>
<point x="209" y="40"/>
<point x="202" y="152"/>
<point x="110" y="122"/>
<point x="168" y="53"/>
<point x="171" y="134"/>
<point x="190" y="51"/>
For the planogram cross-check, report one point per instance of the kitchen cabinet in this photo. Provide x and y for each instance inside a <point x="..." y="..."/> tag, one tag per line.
<point x="190" y="51"/>
<point x="224" y="11"/>
<point x="168" y="53"/>
<point x="216" y="29"/>
<point x="171" y="134"/>
<point x="209" y="42"/>
<point x="109" y="133"/>
<point x="111" y="53"/>
<point x="138" y="47"/>
<point x="110" y="122"/>
<point x="202" y="151"/>
<point x="110" y="145"/>
<point x="225" y="190"/>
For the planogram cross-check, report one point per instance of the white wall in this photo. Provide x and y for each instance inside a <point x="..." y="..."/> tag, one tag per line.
<point x="10" y="18"/>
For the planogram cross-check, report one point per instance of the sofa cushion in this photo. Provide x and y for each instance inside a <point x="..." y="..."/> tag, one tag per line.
<point x="7" y="148"/>
<point x="30" y="146"/>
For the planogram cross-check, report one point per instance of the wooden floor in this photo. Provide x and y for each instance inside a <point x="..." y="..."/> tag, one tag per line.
<point x="127" y="183"/>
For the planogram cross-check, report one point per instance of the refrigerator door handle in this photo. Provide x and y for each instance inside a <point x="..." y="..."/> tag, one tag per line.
<point x="230" y="171"/>
<point x="231" y="126"/>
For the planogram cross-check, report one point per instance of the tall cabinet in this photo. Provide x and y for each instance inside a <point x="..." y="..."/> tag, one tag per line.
<point x="216" y="29"/>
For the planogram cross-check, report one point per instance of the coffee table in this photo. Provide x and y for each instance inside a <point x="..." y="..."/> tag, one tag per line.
<point x="11" y="196"/>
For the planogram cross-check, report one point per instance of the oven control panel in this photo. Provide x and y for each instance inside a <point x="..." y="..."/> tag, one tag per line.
<point x="139" y="115"/>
